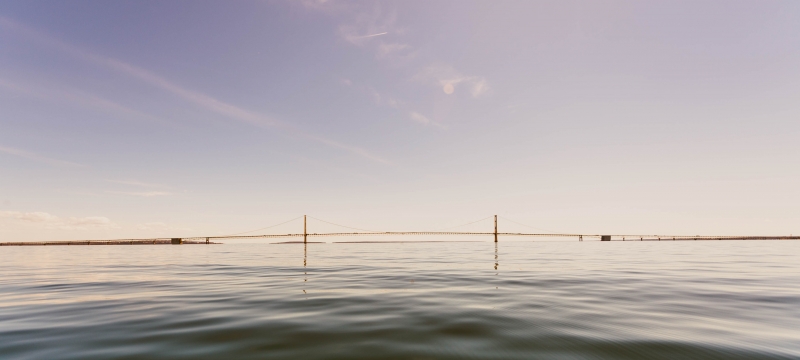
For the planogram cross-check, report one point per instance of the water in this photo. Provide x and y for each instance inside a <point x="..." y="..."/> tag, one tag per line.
<point x="519" y="300"/>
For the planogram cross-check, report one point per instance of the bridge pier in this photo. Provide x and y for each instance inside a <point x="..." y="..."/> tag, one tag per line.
<point x="177" y="241"/>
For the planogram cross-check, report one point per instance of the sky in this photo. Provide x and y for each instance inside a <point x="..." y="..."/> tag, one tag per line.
<point x="131" y="119"/>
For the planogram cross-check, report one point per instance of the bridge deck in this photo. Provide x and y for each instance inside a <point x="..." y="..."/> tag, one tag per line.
<point x="207" y="239"/>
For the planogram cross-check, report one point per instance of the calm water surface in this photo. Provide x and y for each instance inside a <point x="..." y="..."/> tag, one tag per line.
<point x="519" y="300"/>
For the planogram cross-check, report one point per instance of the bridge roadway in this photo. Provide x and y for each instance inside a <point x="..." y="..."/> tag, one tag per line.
<point x="626" y="237"/>
<point x="208" y="239"/>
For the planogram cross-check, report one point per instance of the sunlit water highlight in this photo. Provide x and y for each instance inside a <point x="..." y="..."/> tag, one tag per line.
<point x="519" y="300"/>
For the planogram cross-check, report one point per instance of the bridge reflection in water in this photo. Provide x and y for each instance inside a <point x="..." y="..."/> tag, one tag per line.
<point x="305" y="256"/>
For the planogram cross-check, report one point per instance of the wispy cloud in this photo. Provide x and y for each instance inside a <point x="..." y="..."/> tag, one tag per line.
<point x="420" y="118"/>
<point x="37" y="216"/>
<point x="424" y="120"/>
<point x="54" y="222"/>
<point x="38" y="158"/>
<point x="197" y="98"/>
<point x="160" y="226"/>
<point x="136" y="183"/>
<point x="141" y="193"/>
<point x="352" y="149"/>
<point x="365" y="26"/>
<point x="389" y="49"/>
<point x="479" y="87"/>
<point x="400" y="105"/>
<point x="385" y="100"/>
<point x="370" y="27"/>
<point x="362" y="25"/>
<point x="316" y="4"/>
<point x="448" y="78"/>
<point x="73" y="97"/>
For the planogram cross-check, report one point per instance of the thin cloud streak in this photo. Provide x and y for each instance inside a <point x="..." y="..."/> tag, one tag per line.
<point x="135" y="183"/>
<point x="73" y="97"/>
<point x="197" y="98"/>
<point x="442" y="75"/>
<point x="385" y="49"/>
<point x="352" y="149"/>
<point x="54" y="222"/>
<point x="373" y="24"/>
<point x="38" y="158"/>
<point x="384" y="100"/>
<point x="424" y="120"/>
<point x="141" y="193"/>
<point x="160" y="226"/>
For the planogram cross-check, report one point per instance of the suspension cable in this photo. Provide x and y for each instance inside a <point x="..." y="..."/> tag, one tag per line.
<point x="328" y="222"/>
<point x="519" y="223"/>
<point x="470" y="223"/>
<point x="268" y="227"/>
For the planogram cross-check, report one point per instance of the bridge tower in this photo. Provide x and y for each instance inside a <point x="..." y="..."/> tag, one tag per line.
<point x="305" y="232"/>
<point x="495" y="228"/>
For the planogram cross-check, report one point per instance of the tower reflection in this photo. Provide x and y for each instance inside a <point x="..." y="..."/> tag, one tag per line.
<point x="305" y="262"/>
<point x="496" y="259"/>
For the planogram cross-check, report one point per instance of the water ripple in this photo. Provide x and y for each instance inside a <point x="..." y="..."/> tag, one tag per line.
<point x="722" y="300"/>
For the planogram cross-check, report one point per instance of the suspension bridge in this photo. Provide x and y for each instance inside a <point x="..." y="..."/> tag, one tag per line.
<point x="495" y="235"/>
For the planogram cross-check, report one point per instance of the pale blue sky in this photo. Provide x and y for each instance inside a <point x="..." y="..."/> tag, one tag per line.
<point x="183" y="118"/>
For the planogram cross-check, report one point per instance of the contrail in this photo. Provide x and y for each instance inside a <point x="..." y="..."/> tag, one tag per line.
<point x="373" y="35"/>
<point x="197" y="98"/>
